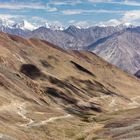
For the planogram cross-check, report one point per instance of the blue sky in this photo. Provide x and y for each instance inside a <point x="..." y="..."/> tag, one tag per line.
<point x="78" y="12"/>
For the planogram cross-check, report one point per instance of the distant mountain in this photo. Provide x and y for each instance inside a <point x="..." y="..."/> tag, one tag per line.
<point x="119" y="45"/>
<point x="56" y="37"/>
<point x="121" y="49"/>
<point x="91" y="34"/>
<point x="21" y="28"/>
<point x="73" y="37"/>
<point x="24" y="25"/>
<point x="70" y="38"/>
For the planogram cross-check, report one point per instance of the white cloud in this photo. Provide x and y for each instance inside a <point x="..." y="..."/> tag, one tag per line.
<point x="125" y="2"/>
<point x="70" y="2"/>
<point x="96" y="1"/>
<point x="18" y="6"/>
<point x="58" y="23"/>
<point x="72" y="12"/>
<point x="81" y="11"/>
<point x="129" y="17"/>
<point x="65" y="2"/>
<point x="10" y="17"/>
<point x="82" y="24"/>
<point x="131" y="3"/>
<point x="22" y="6"/>
<point x="6" y="16"/>
<point x="51" y="9"/>
<point x="112" y="22"/>
<point x="72" y="21"/>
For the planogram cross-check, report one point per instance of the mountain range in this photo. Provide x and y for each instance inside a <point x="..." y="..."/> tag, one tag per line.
<point x="118" y="45"/>
<point x="121" y="49"/>
<point x="49" y="93"/>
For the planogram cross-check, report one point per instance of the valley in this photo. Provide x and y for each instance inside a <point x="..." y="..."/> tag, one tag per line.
<point x="47" y="92"/>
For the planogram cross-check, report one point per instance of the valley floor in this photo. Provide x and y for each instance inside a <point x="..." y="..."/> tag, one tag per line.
<point x="119" y="125"/>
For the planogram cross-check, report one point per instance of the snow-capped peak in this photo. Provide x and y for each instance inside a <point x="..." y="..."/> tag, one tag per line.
<point x="24" y="25"/>
<point x="56" y="27"/>
<point x="53" y="26"/>
<point x="47" y="25"/>
<point x="6" y="22"/>
<point x="125" y="25"/>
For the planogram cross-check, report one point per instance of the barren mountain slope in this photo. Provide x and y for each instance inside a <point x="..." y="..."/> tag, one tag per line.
<point x="121" y="49"/>
<point x="56" y="37"/>
<point x="47" y="93"/>
<point x="90" y="35"/>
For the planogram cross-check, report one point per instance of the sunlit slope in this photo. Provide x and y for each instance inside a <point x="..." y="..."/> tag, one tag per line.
<point x="49" y="93"/>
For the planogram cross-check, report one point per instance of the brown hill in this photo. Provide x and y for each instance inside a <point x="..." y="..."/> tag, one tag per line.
<point x="49" y="93"/>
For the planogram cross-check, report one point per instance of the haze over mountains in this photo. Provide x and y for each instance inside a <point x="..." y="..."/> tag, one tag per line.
<point x="118" y="45"/>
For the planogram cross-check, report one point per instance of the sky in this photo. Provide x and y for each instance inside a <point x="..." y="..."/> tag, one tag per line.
<point x="83" y="13"/>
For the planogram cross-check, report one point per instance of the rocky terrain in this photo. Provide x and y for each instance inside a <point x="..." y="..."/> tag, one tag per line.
<point x="121" y="49"/>
<point x="47" y="93"/>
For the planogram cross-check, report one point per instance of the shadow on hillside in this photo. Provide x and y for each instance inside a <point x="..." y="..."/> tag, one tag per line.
<point x="31" y="71"/>
<point x="81" y="68"/>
